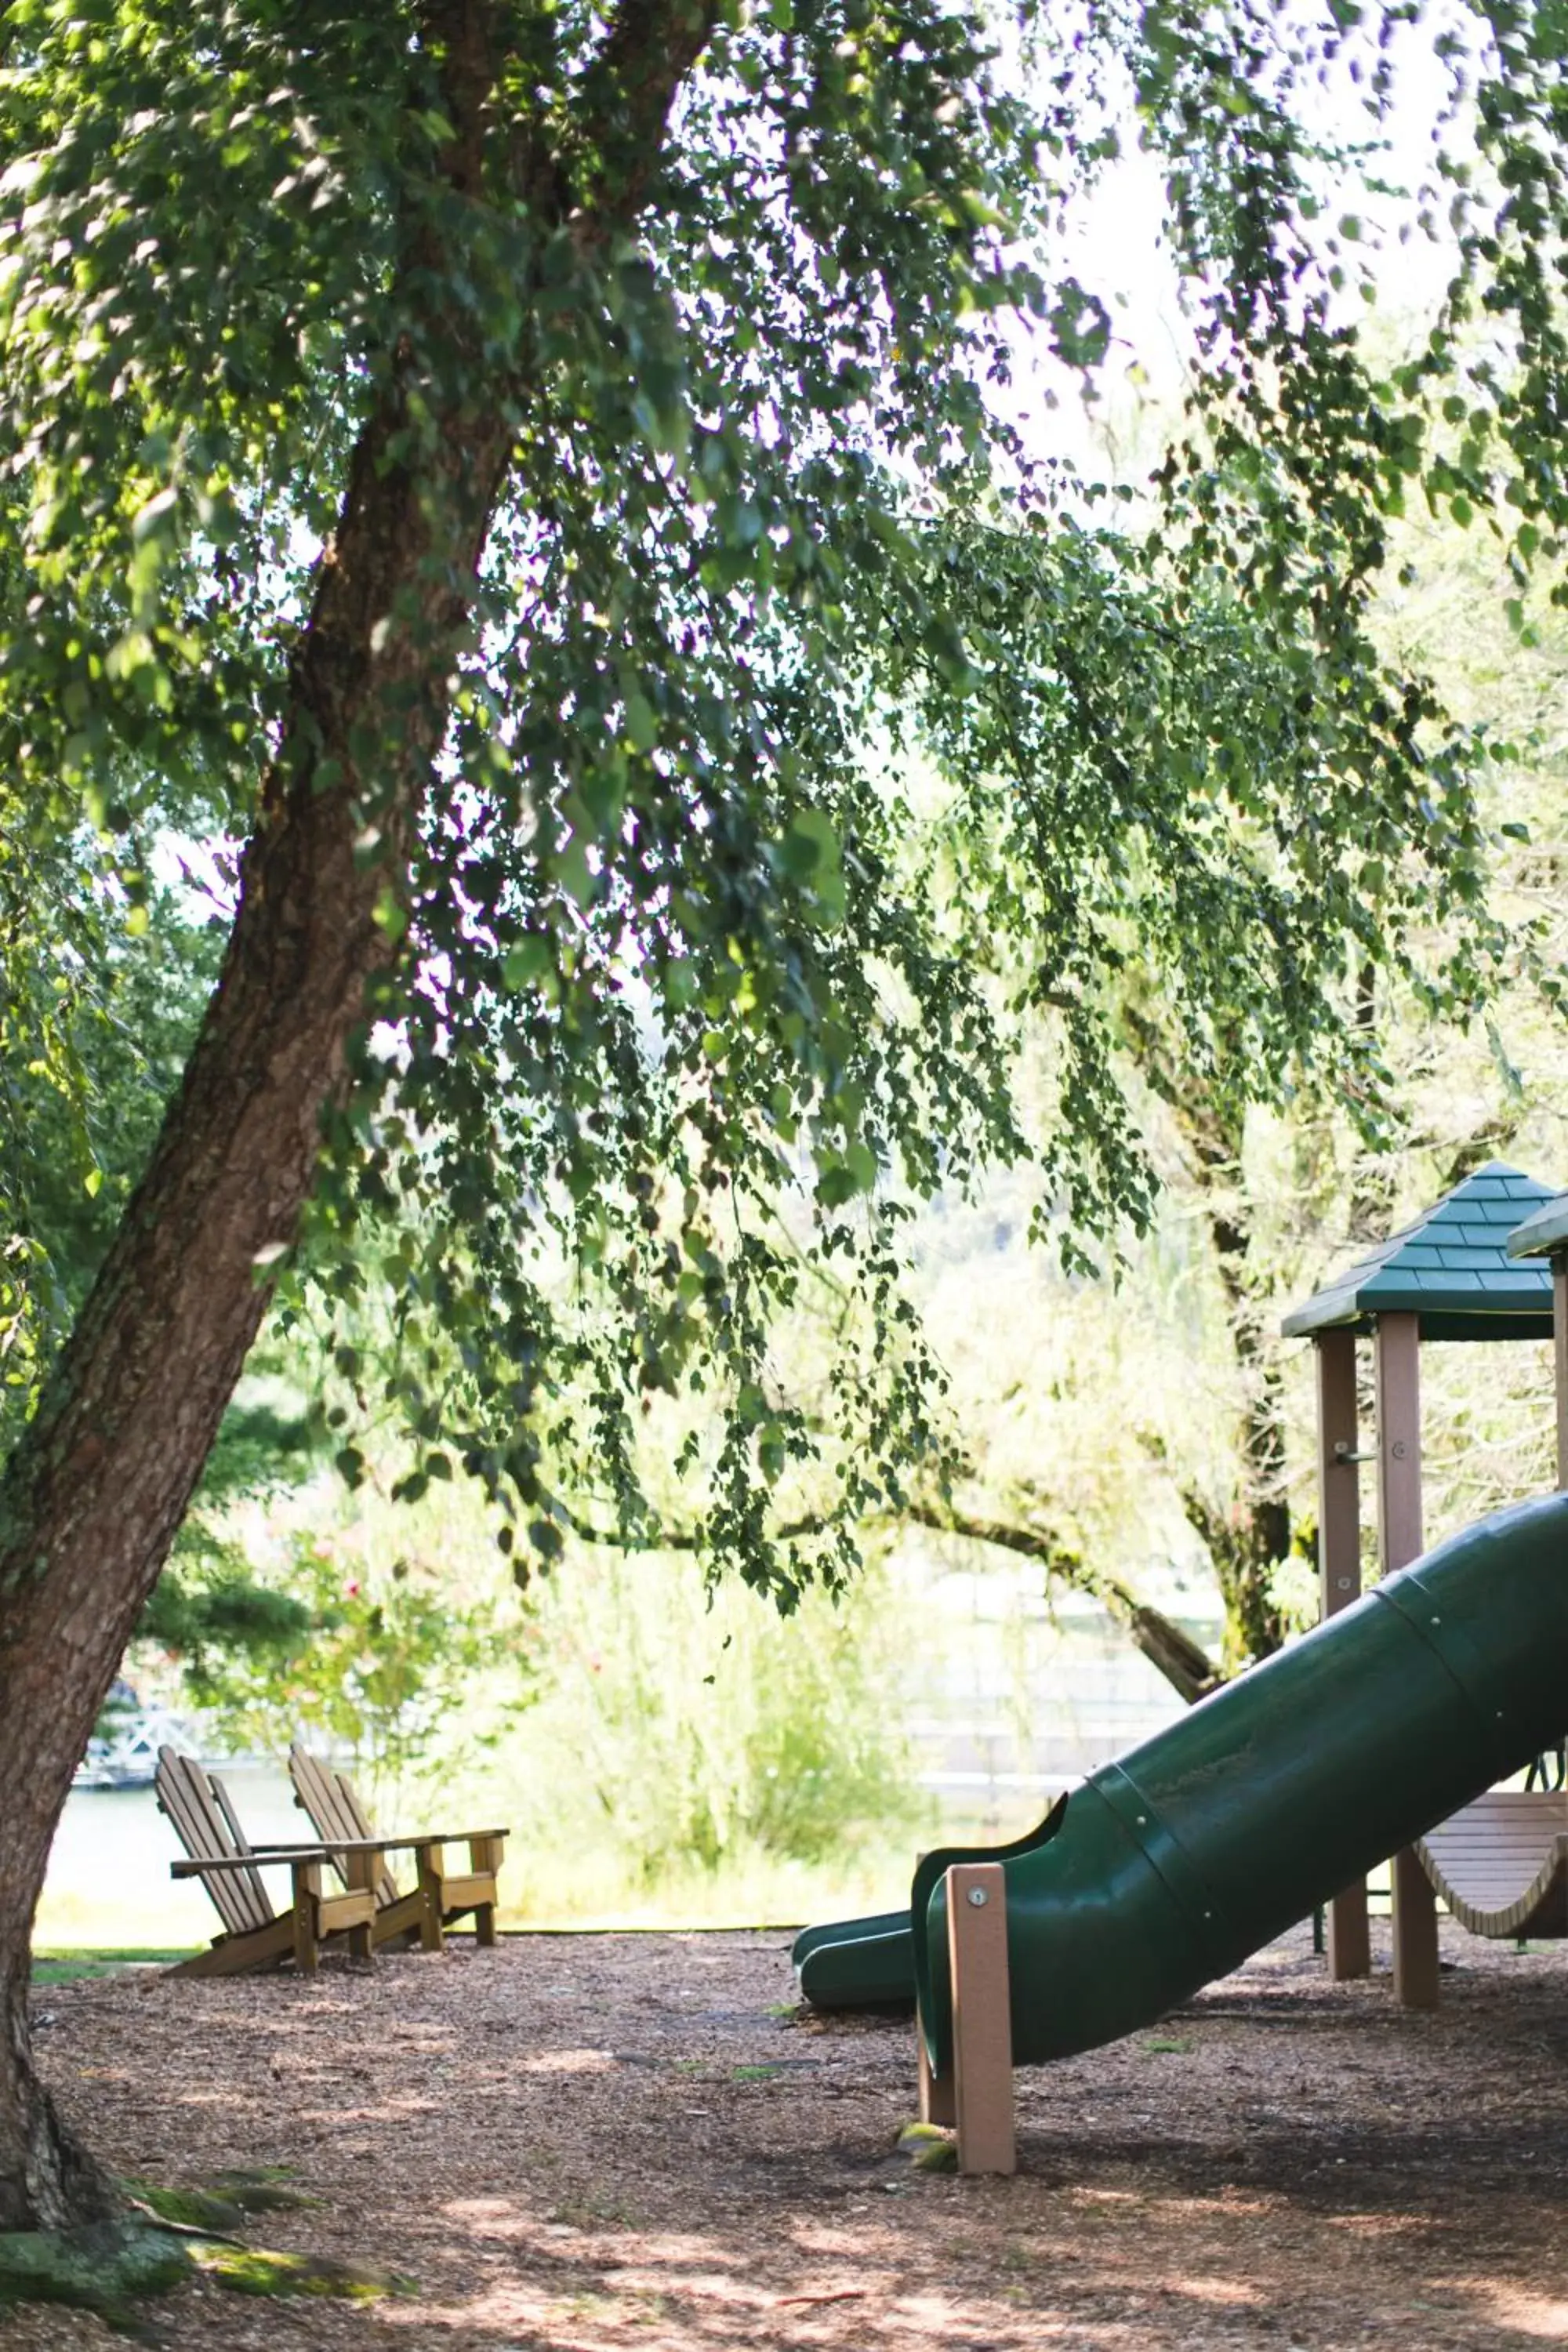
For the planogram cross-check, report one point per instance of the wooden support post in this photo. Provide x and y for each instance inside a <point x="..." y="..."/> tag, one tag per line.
<point x="307" y="1877"/>
<point x="430" y="1859"/>
<point x="1560" y="1356"/>
<point x="1398" y="1356"/>
<point x="1398" y="1350"/>
<point x="937" y="2102"/>
<point x="1339" y="1583"/>
<point x="1415" y="1968"/>
<point x="982" y="2020"/>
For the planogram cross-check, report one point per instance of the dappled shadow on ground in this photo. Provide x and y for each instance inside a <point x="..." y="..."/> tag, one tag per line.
<point x="577" y="2144"/>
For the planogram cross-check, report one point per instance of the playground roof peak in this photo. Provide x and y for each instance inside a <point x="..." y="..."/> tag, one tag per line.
<point x="1451" y="1267"/>
<point x="1544" y="1233"/>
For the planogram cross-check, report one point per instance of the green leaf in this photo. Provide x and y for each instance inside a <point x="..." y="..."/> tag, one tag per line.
<point x="642" y="725"/>
<point x="526" y="961"/>
<point x="1080" y="326"/>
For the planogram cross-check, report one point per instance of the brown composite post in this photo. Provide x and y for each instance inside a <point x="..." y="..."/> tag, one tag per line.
<point x="1560" y="1356"/>
<point x="936" y="2090"/>
<point x="982" y="2020"/>
<point x="1339" y="1583"/>
<point x="1398" y="1363"/>
<point x="937" y="2102"/>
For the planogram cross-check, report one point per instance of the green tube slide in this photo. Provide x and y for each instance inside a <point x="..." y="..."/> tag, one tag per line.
<point x="871" y="1963"/>
<point x="1166" y="1869"/>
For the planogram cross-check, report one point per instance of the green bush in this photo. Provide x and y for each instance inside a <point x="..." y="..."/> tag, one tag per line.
<point x="679" y="1730"/>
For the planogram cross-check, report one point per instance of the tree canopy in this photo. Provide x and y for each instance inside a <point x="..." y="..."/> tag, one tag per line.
<point x="653" y="944"/>
<point x="543" y="480"/>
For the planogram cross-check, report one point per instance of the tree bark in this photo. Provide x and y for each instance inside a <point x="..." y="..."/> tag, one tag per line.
<point x="1247" y="1539"/>
<point x="92" y="1501"/>
<point x="1186" y="1664"/>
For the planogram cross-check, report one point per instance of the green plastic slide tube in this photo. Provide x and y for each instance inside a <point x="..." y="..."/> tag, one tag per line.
<point x="1166" y="1869"/>
<point x="871" y="1963"/>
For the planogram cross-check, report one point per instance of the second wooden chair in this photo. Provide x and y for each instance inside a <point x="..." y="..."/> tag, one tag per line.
<point x="419" y="1915"/>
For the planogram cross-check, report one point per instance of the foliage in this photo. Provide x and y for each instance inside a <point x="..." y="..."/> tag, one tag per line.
<point x="381" y="1657"/>
<point x="540" y="475"/>
<point x="95" y="1023"/>
<point x="702" y="1732"/>
<point x="208" y="1606"/>
<point x="658" y="941"/>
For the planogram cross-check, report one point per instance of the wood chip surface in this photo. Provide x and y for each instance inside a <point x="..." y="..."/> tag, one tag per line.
<point x="578" y="2143"/>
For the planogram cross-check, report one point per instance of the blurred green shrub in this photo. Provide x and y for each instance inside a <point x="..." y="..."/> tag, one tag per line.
<point x="679" y="1728"/>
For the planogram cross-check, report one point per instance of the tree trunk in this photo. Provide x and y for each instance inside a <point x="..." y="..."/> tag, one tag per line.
<point x="1186" y="1664"/>
<point x="94" y="1497"/>
<point x="92" y="1501"/>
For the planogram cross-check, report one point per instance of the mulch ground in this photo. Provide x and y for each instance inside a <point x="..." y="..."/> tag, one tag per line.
<point x="586" y="2142"/>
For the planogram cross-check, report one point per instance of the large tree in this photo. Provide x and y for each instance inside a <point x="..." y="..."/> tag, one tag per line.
<point x="528" y="472"/>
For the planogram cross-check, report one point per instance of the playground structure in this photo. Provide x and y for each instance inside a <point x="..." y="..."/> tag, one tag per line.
<point x="1545" y="1237"/>
<point x="1447" y="1277"/>
<point x="1383" y="1733"/>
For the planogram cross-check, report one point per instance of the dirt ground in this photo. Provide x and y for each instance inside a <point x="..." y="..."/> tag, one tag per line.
<point x="586" y="2142"/>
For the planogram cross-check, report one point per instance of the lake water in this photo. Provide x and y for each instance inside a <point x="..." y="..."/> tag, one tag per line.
<point x="108" y="1879"/>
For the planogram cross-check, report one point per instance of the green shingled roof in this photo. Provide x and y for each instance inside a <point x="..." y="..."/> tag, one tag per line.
<point x="1544" y="1233"/>
<point x="1451" y="1267"/>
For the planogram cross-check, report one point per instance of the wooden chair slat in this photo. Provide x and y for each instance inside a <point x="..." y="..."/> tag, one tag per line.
<point x="251" y="1880"/>
<point x="314" y="1791"/>
<point x="387" y="1889"/>
<point x="184" y="1797"/>
<point x="354" y="1812"/>
<point x="336" y="1810"/>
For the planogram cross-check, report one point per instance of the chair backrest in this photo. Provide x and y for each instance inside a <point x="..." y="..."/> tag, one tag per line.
<point x="335" y="1811"/>
<point x="205" y="1823"/>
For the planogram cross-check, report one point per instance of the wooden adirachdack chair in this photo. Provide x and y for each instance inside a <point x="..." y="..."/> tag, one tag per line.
<point x="255" y="1935"/>
<point x="339" y="1819"/>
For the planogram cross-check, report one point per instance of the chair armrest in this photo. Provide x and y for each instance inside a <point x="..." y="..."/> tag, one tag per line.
<point x="197" y="1866"/>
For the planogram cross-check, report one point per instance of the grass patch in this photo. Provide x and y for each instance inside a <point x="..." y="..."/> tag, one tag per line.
<point x="68" y="1968"/>
<point x="1173" y="2049"/>
<point x="224" y="2203"/>
<point x="185" y="2209"/>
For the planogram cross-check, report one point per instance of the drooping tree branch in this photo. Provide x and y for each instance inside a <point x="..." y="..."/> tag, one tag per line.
<point x="1184" y="1664"/>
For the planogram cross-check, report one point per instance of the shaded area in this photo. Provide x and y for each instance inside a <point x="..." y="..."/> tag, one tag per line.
<point x="580" y="2143"/>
